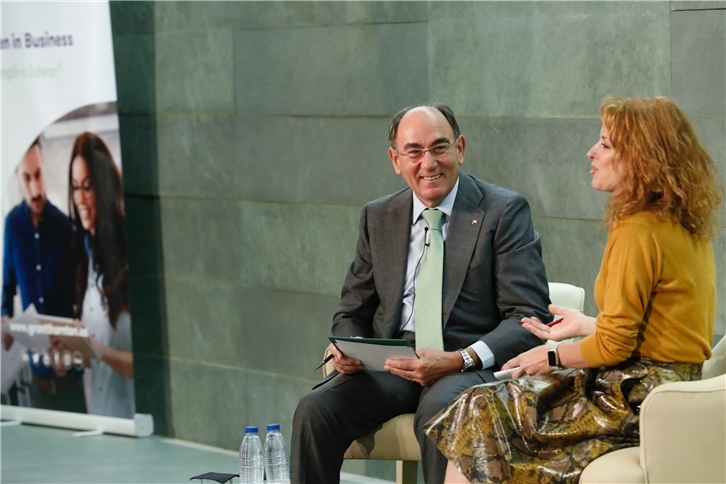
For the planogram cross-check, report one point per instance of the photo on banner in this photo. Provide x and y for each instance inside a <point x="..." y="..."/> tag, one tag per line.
<point x="66" y="325"/>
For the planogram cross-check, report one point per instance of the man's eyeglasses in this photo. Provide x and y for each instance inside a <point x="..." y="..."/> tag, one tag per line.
<point x="437" y="151"/>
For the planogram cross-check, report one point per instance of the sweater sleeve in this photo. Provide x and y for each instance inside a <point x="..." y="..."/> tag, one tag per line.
<point x="629" y="272"/>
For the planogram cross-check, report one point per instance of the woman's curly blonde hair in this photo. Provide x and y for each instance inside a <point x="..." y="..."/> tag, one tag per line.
<point x="661" y="164"/>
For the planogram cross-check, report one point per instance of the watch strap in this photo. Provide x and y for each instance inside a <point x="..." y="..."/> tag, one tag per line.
<point x="469" y="362"/>
<point x="553" y="358"/>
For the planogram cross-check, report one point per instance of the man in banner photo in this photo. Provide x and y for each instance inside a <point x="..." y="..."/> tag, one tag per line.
<point x="37" y="260"/>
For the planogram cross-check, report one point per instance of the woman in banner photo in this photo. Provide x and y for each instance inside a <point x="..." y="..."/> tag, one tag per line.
<point x="96" y="210"/>
<point x="657" y="299"/>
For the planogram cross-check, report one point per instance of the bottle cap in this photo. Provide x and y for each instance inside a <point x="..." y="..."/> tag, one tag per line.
<point x="274" y="426"/>
<point x="252" y="429"/>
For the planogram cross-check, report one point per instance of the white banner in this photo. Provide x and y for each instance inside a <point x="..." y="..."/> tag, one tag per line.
<point x="63" y="227"/>
<point x="56" y="57"/>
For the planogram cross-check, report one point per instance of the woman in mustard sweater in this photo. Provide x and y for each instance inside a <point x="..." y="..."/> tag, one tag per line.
<point x="657" y="300"/>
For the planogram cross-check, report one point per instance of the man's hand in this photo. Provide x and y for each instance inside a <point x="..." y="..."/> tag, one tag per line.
<point x="532" y="362"/>
<point x="429" y="367"/>
<point x="343" y="364"/>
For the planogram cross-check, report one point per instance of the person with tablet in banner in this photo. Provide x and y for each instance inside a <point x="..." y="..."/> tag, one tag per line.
<point x="96" y="209"/>
<point x="36" y="259"/>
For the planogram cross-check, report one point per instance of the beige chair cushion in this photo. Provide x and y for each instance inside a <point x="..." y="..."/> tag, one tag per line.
<point x="617" y="467"/>
<point x="395" y="440"/>
<point x="682" y="427"/>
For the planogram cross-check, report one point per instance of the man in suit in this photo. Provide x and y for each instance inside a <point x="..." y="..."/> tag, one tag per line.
<point x="493" y="276"/>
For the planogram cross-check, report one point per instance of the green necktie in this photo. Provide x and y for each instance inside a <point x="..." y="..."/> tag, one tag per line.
<point x="429" y="283"/>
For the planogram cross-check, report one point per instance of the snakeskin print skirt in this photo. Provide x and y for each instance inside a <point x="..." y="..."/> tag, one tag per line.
<point x="546" y="429"/>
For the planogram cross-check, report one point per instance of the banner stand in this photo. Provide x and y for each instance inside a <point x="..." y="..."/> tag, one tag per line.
<point x="59" y="95"/>
<point x="142" y="425"/>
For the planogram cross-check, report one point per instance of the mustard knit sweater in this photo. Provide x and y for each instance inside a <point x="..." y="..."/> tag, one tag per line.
<point x="656" y="292"/>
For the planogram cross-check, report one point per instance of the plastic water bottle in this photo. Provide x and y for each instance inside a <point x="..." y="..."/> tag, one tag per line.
<point x="251" y="466"/>
<point x="277" y="458"/>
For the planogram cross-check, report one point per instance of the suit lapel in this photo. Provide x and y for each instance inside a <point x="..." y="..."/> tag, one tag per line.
<point x="395" y="234"/>
<point x="461" y="237"/>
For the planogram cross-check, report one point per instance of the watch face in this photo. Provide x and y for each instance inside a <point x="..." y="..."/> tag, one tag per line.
<point x="552" y="358"/>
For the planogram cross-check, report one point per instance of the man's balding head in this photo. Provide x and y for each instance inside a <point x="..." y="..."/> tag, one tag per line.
<point x="427" y="150"/>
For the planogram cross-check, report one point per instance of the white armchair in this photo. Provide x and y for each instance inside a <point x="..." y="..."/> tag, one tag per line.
<point x="682" y="434"/>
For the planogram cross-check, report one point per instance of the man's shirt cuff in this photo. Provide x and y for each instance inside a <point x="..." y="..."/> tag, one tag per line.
<point x="484" y="353"/>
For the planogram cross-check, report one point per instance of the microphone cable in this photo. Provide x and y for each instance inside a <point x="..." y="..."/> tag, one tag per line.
<point x="415" y="275"/>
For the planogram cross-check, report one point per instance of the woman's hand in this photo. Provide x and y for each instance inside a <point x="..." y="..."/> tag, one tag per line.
<point x="532" y="362"/>
<point x="120" y="361"/>
<point x="572" y="325"/>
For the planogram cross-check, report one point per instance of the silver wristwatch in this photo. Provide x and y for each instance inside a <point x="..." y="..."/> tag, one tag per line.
<point x="468" y="360"/>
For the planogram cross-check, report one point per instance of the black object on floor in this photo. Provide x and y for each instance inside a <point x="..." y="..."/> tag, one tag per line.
<point x="221" y="478"/>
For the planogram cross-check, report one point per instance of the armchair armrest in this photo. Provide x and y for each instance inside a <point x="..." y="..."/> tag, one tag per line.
<point x="682" y="432"/>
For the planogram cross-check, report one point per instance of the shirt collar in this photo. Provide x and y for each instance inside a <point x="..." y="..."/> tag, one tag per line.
<point x="445" y="206"/>
<point x="87" y="245"/>
<point x="25" y="211"/>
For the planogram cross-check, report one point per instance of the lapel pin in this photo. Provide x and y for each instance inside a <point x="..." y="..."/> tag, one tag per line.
<point x="473" y="222"/>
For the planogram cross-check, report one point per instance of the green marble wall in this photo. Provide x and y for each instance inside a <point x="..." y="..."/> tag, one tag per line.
<point x="253" y="132"/>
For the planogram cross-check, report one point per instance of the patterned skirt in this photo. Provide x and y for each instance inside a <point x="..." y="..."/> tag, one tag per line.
<point x="546" y="429"/>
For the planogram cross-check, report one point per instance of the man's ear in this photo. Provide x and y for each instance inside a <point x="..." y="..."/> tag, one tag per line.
<point x="395" y="160"/>
<point x="461" y="149"/>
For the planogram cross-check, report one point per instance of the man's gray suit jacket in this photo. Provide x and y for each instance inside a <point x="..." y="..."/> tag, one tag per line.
<point x="493" y="271"/>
